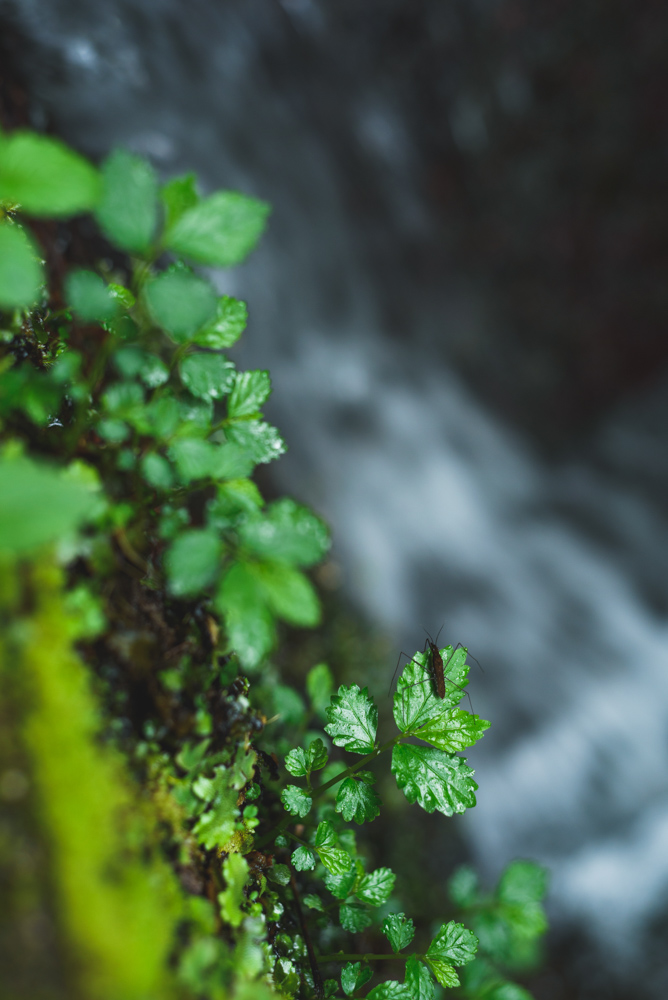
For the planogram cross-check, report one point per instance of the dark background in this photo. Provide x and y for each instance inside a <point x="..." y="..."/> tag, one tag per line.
<point x="462" y="299"/>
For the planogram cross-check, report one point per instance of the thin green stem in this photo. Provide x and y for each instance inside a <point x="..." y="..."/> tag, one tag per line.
<point x="352" y="957"/>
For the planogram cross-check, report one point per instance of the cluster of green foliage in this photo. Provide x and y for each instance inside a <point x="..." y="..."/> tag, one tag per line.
<point x="144" y="579"/>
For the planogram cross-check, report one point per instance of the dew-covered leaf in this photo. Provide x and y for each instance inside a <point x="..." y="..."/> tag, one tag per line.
<point x="262" y="441"/>
<point x="354" y="976"/>
<point x="180" y="302"/>
<point x="300" y="762"/>
<point x="389" y="990"/>
<point x="128" y="208"/>
<point x="341" y="886"/>
<point x="453" y="943"/>
<point x="45" y="177"/>
<point x="335" y="859"/>
<point x="433" y="779"/>
<point x="287" y="532"/>
<point x="376" y="887"/>
<point x="207" y="376"/>
<point x="279" y="874"/>
<point x="356" y="800"/>
<point x="399" y="931"/>
<point x="251" y="390"/>
<point x="296" y="801"/>
<point x="452" y="731"/>
<point x="444" y="972"/>
<point x="313" y="902"/>
<point x="303" y="859"/>
<point x="419" y="980"/>
<point x="248" y="622"/>
<point x="221" y="230"/>
<point x="192" y="561"/>
<point x="354" y="917"/>
<point x="21" y="273"/>
<point x="353" y="719"/>
<point x="415" y="700"/>
<point x="226" y="325"/>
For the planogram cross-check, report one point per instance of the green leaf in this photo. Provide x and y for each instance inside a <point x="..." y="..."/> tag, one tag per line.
<point x="21" y="273"/>
<point x="132" y="361"/>
<point x="251" y="390"/>
<point x="192" y="755"/>
<point x="216" y="826"/>
<point x="341" y="885"/>
<point x="433" y="779"/>
<point x="248" y="622"/>
<point x="192" y="561"/>
<point x="319" y="685"/>
<point x="303" y="859"/>
<point x="356" y="800"/>
<point x="157" y="471"/>
<point x="128" y="208"/>
<point x="222" y="230"/>
<point x="235" y="496"/>
<point x="300" y="762"/>
<point x="193" y="458"/>
<point x="235" y="873"/>
<point x="89" y="296"/>
<point x="399" y="931"/>
<point x="258" y="438"/>
<point x="453" y="943"/>
<point x="279" y="874"/>
<point x="444" y="973"/>
<point x="289" y="594"/>
<point x="178" y="196"/>
<point x="376" y="887"/>
<point x="354" y="976"/>
<point x="522" y="882"/>
<point x="38" y="504"/>
<point x="180" y="302"/>
<point x="354" y="917"/>
<point x="45" y="177"/>
<point x="313" y="902"/>
<point x="454" y="730"/>
<point x="415" y="702"/>
<point x="353" y="719"/>
<point x="207" y="376"/>
<point x="418" y="980"/>
<point x="463" y="886"/>
<point x="227" y="325"/>
<point x="287" y="532"/>
<point x="335" y="859"/>
<point x="390" y="990"/>
<point x="296" y="801"/>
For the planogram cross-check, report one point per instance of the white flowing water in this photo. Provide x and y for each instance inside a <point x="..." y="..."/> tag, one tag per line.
<point x="440" y="513"/>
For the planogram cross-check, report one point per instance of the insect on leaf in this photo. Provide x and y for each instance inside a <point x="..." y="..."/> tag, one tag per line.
<point x="433" y="779"/>
<point x="353" y="719"/>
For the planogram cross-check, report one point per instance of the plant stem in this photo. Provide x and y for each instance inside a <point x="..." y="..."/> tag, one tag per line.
<point x="344" y="957"/>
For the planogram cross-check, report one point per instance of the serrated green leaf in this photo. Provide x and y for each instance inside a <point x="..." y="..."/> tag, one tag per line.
<point x="522" y="882"/>
<point x="353" y="719"/>
<point x="234" y="497"/>
<point x="279" y="874"/>
<point x="38" y="504"/>
<point x="226" y="326"/>
<point x="90" y="296"/>
<point x="341" y="886"/>
<point x="303" y="860"/>
<point x="354" y="976"/>
<point x="453" y="943"/>
<point x="251" y="390"/>
<point x="319" y="685"/>
<point x="313" y="902"/>
<point x="390" y="990"/>
<point x="180" y="302"/>
<point x="335" y="859"/>
<point x="300" y="762"/>
<point x="399" y="930"/>
<point x="376" y="887"/>
<point x="215" y="827"/>
<point x="45" y="177"/>
<point x="157" y="471"/>
<point x="222" y="230"/>
<point x="418" y="979"/>
<point x="178" y="196"/>
<point x="193" y="458"/>
<point x="248" y="621"/>
<point x="444" y="972"/>
<point x="262" y="441"/>
<point x="452" y="731"/>
<point x="288" y="533"/>
<point x="21" y="273"/>
<point x="290" y="595"/>
<point x="433" y="779"/>
<point x="415" y="700"/>
<point x="356" y="800"/>
<point x="192" y="561"/>
<point x="463" y="886"/>
<point x="207" y="376"/>
<point x="296" y="801"/>
<point x="128" y="208"/>
<point x="354" y="917"/>
<point x="235" y="873"/>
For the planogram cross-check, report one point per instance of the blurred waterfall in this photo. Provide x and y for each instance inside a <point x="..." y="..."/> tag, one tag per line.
<point x="551" y="572"/>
